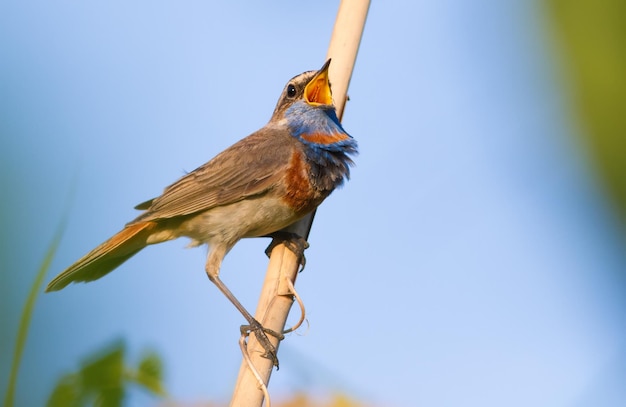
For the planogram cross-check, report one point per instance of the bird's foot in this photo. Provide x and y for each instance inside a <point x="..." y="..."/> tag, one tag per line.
<point x="294" y="242"/>
<point x="261" y="333"/>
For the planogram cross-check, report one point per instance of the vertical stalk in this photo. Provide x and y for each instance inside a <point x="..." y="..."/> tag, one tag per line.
<point x="276" y="299"/>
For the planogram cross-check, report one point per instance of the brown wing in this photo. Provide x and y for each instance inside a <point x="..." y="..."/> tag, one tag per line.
<point x="249" y="167"/>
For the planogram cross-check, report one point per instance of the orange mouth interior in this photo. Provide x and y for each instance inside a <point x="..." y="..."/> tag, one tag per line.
<point x="317" y="91"/>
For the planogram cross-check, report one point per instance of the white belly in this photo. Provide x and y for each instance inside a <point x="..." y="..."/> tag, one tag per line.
<point x="247" y="218"/>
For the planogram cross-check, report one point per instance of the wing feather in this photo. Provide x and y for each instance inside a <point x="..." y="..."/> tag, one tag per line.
<point x="249" y="167"/>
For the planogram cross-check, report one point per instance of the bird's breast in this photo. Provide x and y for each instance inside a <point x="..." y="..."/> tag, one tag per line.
<point x="300" y="195"/>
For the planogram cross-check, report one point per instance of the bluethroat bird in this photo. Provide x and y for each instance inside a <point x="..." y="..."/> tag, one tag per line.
<point x="256" y="187"/>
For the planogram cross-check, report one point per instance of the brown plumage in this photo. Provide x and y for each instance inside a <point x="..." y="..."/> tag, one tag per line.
<point x="257" y="186"/>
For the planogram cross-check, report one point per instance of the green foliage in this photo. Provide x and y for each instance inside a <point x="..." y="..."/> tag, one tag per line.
<point x="104" y="377"/>
<point x="592" y="35"/>
<point x="27" y="313"/>
<point x="150" y="373"/>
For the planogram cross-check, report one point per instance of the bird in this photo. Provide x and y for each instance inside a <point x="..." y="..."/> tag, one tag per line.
<point x="256" y="187"/>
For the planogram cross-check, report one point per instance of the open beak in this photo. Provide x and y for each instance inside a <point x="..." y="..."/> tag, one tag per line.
<point x="317" y="91"/>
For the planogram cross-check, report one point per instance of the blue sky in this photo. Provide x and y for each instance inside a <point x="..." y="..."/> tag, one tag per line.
<point x="471" y="260"/>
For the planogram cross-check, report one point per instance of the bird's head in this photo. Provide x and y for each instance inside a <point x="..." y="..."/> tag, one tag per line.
<point x="311" y="89"/>
<point x="306" y="108"/>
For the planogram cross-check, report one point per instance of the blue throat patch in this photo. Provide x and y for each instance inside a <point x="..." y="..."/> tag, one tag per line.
<point x="329" y="145"/>
<point x="319" y="127"/>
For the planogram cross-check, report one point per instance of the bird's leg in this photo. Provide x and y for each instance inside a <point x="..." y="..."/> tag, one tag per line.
<point x="293" y="241"/>
<point x="212" y="268"/>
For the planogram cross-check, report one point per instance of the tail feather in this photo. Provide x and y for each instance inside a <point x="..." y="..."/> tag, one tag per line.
<point x="106" y="257"/>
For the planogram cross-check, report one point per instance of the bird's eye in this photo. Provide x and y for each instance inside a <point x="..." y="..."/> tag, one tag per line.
<point x="291" y="91"/>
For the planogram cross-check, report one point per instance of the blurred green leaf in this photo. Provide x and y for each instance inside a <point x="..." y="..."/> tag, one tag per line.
<point x="592" y="36"/>
<point x="29" y="306"/>
<point x="150" y="373"/>
<point x="66" y="393"/>
<point x="104" y="377"/>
